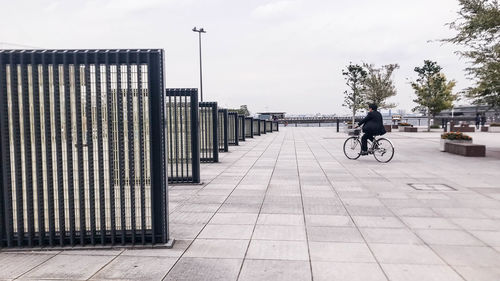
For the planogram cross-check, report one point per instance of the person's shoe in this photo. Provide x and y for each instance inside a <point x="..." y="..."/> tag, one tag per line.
<point x="363" y="153"/>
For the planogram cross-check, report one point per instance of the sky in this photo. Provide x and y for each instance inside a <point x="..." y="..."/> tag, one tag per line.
<point x="284" y="55"/>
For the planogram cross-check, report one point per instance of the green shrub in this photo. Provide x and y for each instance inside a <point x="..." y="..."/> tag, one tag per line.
<point x="495" y="125"/>
<point x="404" y="124"/>
<point x="434" y="126"/>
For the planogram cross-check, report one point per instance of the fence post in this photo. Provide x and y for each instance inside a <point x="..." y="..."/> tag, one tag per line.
<point x="338" y="125"/>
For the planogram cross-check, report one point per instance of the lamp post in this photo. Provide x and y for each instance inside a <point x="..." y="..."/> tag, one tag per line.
<point x="200" y="31"/>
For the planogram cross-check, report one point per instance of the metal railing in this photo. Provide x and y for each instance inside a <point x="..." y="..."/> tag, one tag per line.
<point x="82" y="148"/>
<point x="263" y="127"/>
<point x="223" y="130"/>
<point x="241" y="127"/>
<point x="183" y="138"/>
<point x="233" y="128"/>
<point x="209" y="142"/>
<point x="256" y="127"/>
<point x="248" y="127"/>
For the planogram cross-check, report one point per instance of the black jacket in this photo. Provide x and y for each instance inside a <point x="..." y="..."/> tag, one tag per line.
<point x="373" y="123"/>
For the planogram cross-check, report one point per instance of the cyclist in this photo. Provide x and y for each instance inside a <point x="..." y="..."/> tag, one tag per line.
<point x="373" y="126"/>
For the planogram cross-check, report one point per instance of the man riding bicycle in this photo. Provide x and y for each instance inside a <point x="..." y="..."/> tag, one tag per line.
<point x="373" y="126"/>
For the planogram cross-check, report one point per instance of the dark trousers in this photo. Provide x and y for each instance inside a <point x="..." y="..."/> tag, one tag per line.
<point x="364" y="141"/>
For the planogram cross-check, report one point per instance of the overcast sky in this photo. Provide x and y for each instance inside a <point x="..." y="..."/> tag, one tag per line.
<point x="283" y="55"/>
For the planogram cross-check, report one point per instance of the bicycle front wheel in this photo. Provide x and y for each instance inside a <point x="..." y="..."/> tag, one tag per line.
<point x="352" y="148"/>
<point x="383" y="150"/>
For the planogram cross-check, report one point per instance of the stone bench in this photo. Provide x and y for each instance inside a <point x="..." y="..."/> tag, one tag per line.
<point x="463" y="129"/>
<point x="466" y="149"/>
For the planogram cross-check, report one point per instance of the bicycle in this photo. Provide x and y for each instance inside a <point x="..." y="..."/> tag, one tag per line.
<point x="381" y="148"/>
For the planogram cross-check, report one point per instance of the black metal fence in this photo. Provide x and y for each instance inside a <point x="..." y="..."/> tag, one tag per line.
<point x="256" y="127"/>
<point x="241" y="127"/>
<point x="82" y="148"/>
<point x="263" y="127"/>
<point x="248" y="127"/>
<point x="269" y="126"/>
<point x="209" y="142"/>
<point x="233" y="128"/>
<point x="223" y="130"/>
<point x="183" y="150"/>
<point x="276" y="126"/>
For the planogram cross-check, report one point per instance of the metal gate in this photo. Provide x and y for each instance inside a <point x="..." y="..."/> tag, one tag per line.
<point x="223" y="130"/>
<point x="233" y="128"/>
<point x="209" y="142"/>
<point x="82" y="148"/>
<point x="241" y="127"/>
<point x="249" y="127"/>
<point x="256" y="127"/>
<point x="183" y="137"/>
<point x="263" y="127"/>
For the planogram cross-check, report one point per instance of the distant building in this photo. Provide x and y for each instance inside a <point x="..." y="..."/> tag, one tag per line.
<point x="270" y="115"/>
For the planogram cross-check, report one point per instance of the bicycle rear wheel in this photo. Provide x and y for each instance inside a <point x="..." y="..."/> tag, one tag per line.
<point x="383" y="150"/>
<point x="352" y="148"/>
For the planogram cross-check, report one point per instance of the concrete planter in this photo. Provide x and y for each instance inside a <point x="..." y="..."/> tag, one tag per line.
<point x="402" y="128"/>
<point x="442" y="143"/>
<point x="388" y="128"/>
<point x="484" y="129"/>
<point x="411" y="129"/>
<point x="494" y="129"/>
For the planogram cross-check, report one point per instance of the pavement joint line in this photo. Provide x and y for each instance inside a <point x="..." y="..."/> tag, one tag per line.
<point x="395" y="215"/>
<point x="35" y="267"/>
<point x="344" y="206"/>
<point x="104" y="266"/>
<point x="260" y="208"/>
<point x="303" y="210"/>
<point x="205" y="225"/>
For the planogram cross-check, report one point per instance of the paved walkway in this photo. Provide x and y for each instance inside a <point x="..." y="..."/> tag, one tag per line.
<point x="290" y="206"/>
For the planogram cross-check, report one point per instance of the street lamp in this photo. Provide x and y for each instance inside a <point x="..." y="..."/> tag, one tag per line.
<point x="200" y="31"/>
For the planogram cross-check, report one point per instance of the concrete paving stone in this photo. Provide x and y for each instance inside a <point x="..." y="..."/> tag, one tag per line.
<point x="378" y="222"/>
<point x="244" y="199"/>
<point x="179" y="248"/>
<point x="413" y="272"/>
<point x="281" y="209"/>
<point x="415" y="212"/>
<point x="478" y="273"/>
<point x="234" y="218"/>
<point x="281" y="219"/>
<point x="405" y="254"/>
<point x="213" y="192"/>
<point x="136" y="268"/>
<point x="277" y="270"/>
<point x="279" y="232"/>
<point x="334" y="234"/>
<point x="460" y="213"/>
<point x="478" y="224"/>
<point x="226" y="231"/>
<point x="13" y="265"/>
<point x="328" y="220"/>
<point x="340" y="252"/>
<point x="93" y="252"/>
<point x="240" y="208"/>
<point x="198" y="208"/>
<point x="491" y="213"/>
<point x="316" y="209"/>
<point x="185" y="231"/>
<point x="369" y="202"/>
<point x="217" y="248"/>
<point x="208" y="199"/>
<point x="390" y="236"/>
<point x="491" y="238"/>
<point x="369" y="211"/>
<point x="429" y="223"/>
<point x="69" y="267"/>
<point x="203" y="269"/>
<point x="327" y="271"/>
<point x="468" y="255"/>
<point x="278" y="250"/>
<point x="402" y="203"/>
<point x="190" y="218"/>
<point x="448" y="237"/>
